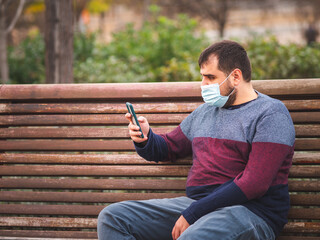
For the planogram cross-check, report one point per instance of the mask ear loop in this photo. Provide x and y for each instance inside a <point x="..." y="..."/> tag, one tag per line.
<point x="225" y="79"/>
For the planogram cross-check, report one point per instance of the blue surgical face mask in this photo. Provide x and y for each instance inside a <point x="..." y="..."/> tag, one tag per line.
<point x="211" y="94"/>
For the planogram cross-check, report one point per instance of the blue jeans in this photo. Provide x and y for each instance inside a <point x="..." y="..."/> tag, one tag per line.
<point x="154" y="220"/>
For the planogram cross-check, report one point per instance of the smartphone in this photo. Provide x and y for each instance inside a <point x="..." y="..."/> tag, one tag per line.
<point x="134" y="117"/>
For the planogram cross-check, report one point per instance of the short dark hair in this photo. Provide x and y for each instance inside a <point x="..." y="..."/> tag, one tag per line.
<point x="231" y="55"/>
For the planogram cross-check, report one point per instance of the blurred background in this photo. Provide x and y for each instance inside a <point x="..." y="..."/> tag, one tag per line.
<point x="100" y="41"/>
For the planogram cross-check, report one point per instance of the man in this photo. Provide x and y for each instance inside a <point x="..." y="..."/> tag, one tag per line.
<point x="242" y="146"/>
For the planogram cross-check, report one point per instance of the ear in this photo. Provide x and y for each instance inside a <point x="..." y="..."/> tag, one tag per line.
<point x="237" y="77"/>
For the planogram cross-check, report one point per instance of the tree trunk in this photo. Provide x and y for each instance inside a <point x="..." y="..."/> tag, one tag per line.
<point x="3" y="46"/>
<point x="59" y="41"/>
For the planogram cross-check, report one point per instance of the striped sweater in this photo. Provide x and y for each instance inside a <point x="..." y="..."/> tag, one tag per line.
<point x="241" y="156"/>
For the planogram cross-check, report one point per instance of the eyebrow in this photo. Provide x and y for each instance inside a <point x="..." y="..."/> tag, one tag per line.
<point x="209" y="75"/>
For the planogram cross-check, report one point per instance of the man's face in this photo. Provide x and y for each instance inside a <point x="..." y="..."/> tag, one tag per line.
<point x="211" y="74"/>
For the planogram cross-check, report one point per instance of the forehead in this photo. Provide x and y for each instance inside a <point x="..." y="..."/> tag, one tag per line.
<point x="210" y="66"/>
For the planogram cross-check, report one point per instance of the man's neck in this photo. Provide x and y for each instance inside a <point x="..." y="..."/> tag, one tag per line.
<point x="246" y="93"/>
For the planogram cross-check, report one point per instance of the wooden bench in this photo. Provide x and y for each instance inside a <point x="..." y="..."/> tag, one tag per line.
<point x="65" y="153"/>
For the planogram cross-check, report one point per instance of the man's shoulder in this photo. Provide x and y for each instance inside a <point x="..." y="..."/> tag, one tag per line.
<point x="269" y="105"/>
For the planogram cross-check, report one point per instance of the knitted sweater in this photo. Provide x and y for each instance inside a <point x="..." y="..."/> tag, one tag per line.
<point x="241" y="156"/>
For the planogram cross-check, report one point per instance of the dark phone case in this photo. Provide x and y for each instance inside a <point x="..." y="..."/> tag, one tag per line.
<point x="134" y="119"/>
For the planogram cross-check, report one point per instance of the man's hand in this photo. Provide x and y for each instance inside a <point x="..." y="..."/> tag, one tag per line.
<point x="180" y="226"/>
<point x="134" y="130"/>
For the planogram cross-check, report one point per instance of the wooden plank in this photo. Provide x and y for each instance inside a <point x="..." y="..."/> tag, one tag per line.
<point x="102" y="91"/>
<point x="302" y="227"/>
<point x="72" y="132"/>
<point x="305" y="199"/>
<point x="304" y="186"/>
<point x="288" y="87"/>
<point x="302" y="105"/>
<point x="307" y="144"/>
<point x="304" y="213"/>
<point x="107" y="145"/>
<point x="305" y="117"/>
<point x="306" y="158"/>
<point x="290" y="237"/>
<point x="109" y="133"/>
<point x="81" y="197"/>
<point x="140" y="107"/>
<point x="125" y="184"/>
<point x="118" y="159"/>
<point x="307" y="130"/>
<point x="105" y="108"/>
<point x="304" y="172"/>
<point x="126" y="170"/>
<point x="111" y="171"/>
<point x="67" y="145"/>
<point x="94" y="184"/>
<point x="85" y="119"/>
<point x="49" y="222"/>
<point x="118" y="119"/>
<point x="311" y="227"/>
<point x="93" y="210"/>
<point x="48" y="234"/>
<point x="296" y="227"/>
<point x="146" y="90"/>
<point x="38" y="209"/>
<point x="299" y="158"/>
<point x="97" y="197"/>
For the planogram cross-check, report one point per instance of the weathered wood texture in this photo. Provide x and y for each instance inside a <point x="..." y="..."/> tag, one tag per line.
<point x="65" y="153"/>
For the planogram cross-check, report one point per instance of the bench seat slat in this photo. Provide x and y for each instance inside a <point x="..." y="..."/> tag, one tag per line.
<point x="96" y="197"/>
<point x="117" y="119"/>
<point x="125" y="170"/>
<point x="299" y="158"/>
<point x="307" y="144"/>
<point x="109" y="133"/>
<point x="140" y="107"/>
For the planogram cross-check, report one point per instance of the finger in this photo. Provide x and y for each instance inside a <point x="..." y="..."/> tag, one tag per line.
<point x="129" y="117"/>
<point x="133" y="127"/>
<point x="173" y="234"/>
<point x="135" y="133"/>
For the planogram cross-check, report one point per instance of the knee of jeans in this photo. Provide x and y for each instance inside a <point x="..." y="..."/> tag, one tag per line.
<point x="110" y="212"/>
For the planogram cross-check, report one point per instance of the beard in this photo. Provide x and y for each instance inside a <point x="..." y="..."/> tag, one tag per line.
<point x="232" y="97"/>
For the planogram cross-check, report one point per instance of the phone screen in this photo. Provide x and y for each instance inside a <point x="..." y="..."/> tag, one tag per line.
<point x="134" y="117"/>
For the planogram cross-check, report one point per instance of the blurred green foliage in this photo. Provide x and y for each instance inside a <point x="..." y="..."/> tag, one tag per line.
<point x="271" y="60"/>
<point x="26" y="61"/>
<point x="162" y="50"/>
